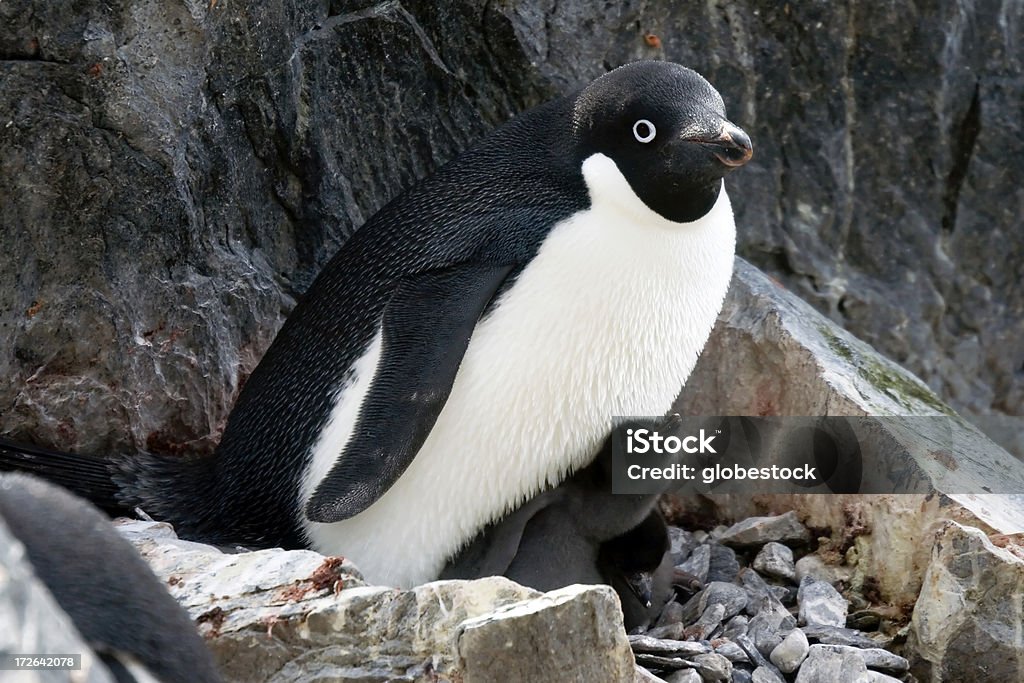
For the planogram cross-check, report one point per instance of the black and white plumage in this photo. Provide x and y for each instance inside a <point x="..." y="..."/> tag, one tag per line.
<point x="119" y="606"/>
<point x="471" y="343"/>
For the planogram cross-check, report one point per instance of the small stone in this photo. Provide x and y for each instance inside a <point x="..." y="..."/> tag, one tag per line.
<point x="733" y="652"/>
<point x="713" y="668"/>
<point x="668" y="631"/>
<point x="764" y="674"/>
<point x="834" y="635"/>
<point x="709" y="621"/>
<point x="698" y="563"/>
<point x="748" y="646"/>
<point x="674" y="648"/>
<point x="684" y="676"/>
<point x="723" y="565"/>
<point x="681" y="544"/>
<point x="671" y="614"/>
<point x="736" y="626"/>
<point x="820" y="603"/>
<point x="815" y="567"/>
<point x="826" y="665"/>
<point x="874" y="658"/>
<point x="658" y="662"/>
<point x="878" y="677"/>
<point x="732" y="598"/>
<point x="791" y="652"/>
<point x="761" y="530"/>
<point x="767" y="628"/>
<point x="741" y="676"/>
<point x="776" y="560"/>
<point x="757" y="589"/>
<point x="642" y="675"/>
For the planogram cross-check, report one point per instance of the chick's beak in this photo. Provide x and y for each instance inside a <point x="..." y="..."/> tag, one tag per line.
<point x="731" y="145"/>
<point x="642" y="586"/>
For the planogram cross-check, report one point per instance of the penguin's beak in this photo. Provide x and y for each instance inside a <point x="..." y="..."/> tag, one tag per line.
<point x="642" y="586"/>
<point x="731" y="145"/>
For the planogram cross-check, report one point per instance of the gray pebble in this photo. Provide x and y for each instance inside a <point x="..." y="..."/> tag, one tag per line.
<point x="681" y="544"/>
<point x="763" y="674"/>
<point x="723" y="565"/>
<point x="791" y="652"/>
<point x="776" y="560"/>
<point x="874" y="658"/>
<point x="698" y="563"/>
<point x="824" y="665"/>
<point x="741" y="676"/>
<point x="684" y="676"/>
<point x="713" y="668"/>
<point x="835" y="635"/>
<point x="733" y="652"/>
<point x="820" y="603"/>
<point x="761" y="530"/>
<point x="675" y="648"/>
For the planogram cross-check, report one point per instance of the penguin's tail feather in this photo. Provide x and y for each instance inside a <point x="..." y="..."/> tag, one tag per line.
<point x="91" y="477"/>
<point x="171" y="489"/>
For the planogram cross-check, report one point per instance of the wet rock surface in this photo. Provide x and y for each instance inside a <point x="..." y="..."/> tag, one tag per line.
<point x="175" y="176"/>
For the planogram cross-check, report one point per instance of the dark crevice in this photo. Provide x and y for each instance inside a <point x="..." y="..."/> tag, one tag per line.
<point x="15" y="57"/>
<point x="965" y="136"/>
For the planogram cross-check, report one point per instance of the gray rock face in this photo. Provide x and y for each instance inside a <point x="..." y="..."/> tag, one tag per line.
<point x="966" y="624"/>
<point x="296" y="615"/>
<point x="175" y="176"/>
<point x="761" y="530"/>
<point x="820" y="603"/>
<point x="791" y="652"/>
<point x="31" y="621"/>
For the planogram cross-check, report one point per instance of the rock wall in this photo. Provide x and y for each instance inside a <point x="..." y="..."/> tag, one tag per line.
<point x="174" y="174"/>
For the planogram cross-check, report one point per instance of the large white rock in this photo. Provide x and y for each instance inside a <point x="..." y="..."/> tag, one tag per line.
<point x="772" y="354"/>
<point x="967" y="623"/>
<point x="282" y="616"/>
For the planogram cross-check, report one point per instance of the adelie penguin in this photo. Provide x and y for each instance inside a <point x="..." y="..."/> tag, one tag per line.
<point x="470" y="344"/>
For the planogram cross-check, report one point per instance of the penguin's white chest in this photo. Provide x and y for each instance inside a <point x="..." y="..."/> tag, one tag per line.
<point x="607" y="320"/>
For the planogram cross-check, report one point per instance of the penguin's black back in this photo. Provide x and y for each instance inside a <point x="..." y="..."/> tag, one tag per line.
<point x="114" y="599"/>
<point x="493" y="204"/>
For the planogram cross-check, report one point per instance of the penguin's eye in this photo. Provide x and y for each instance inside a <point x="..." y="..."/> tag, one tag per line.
<point x="644" y="131"/>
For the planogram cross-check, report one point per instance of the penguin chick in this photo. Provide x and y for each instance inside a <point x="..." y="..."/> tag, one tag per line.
<point x="638" y="565"/>
<point x="120" y="607"/>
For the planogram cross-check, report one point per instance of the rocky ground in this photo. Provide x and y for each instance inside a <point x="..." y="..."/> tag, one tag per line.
<point x="766" y="617"/>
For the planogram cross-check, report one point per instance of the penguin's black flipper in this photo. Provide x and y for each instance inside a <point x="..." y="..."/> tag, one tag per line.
<point x="425" y="331"/>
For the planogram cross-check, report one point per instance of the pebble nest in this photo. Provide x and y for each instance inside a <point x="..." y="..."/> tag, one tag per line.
<point x="764" y="617"/>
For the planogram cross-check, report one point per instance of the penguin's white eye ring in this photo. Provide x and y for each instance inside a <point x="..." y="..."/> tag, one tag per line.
<point x="644" y="131"/>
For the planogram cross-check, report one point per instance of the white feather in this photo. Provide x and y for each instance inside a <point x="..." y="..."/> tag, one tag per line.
<point x="607" y="320"/>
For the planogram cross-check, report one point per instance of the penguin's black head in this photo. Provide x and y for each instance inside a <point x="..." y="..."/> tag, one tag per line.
<point x="665" y="128"/>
